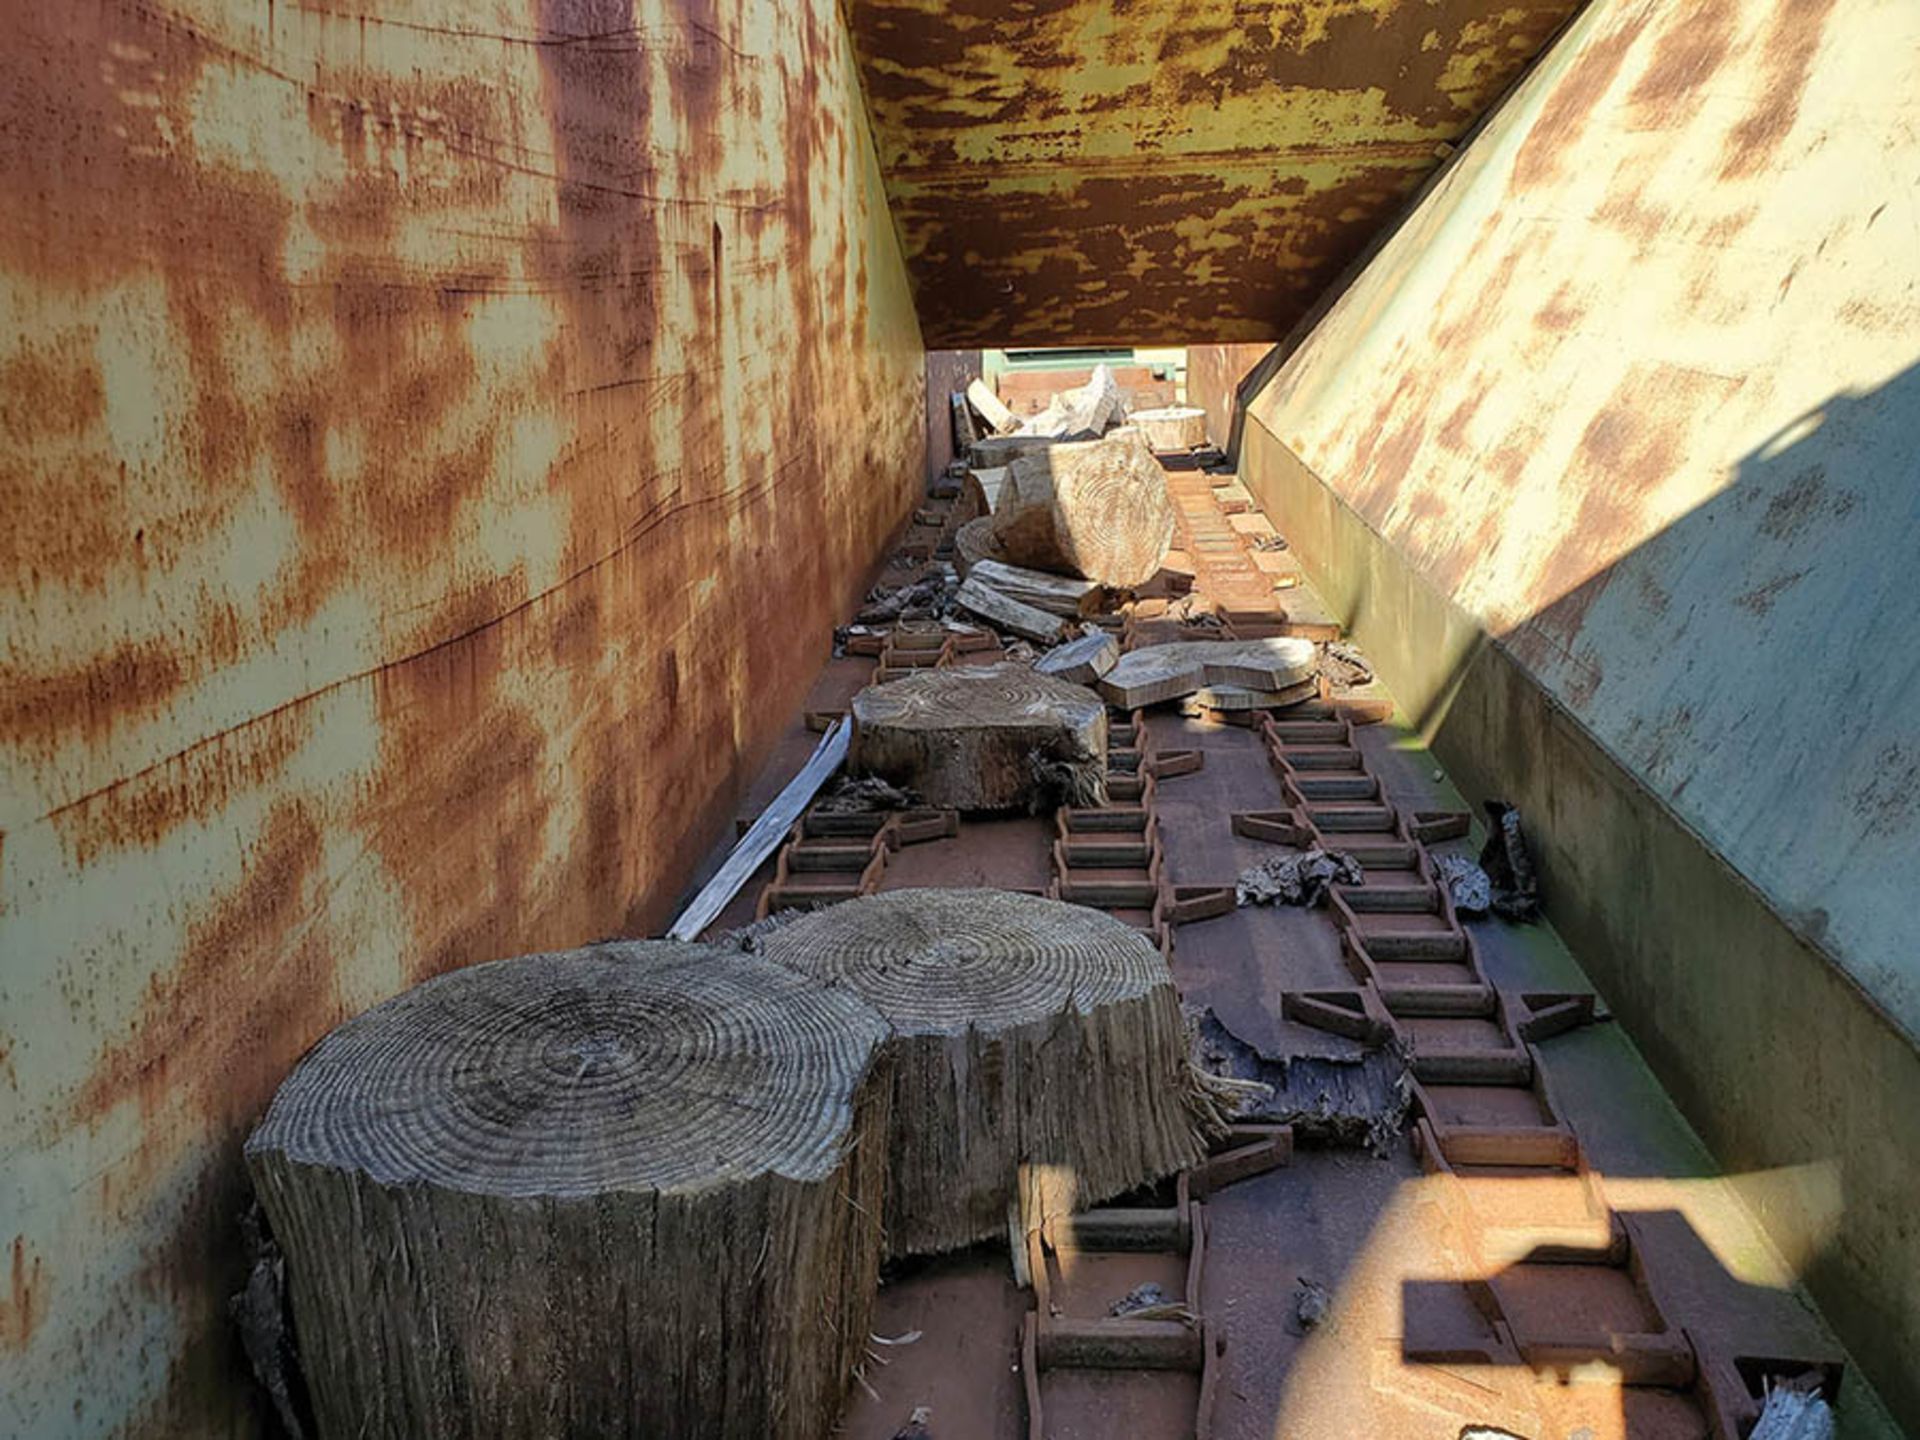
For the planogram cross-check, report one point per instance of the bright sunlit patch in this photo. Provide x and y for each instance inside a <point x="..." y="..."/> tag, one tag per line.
<point x="1793" y="434"/>
<point x="1801" y="1206"/>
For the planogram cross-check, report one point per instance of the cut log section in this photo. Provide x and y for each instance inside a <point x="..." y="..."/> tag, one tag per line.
<point x="993" y="737"/>
<point x="1056" y="594"/>
<point x="1027" y="1032"/>
<point x="1232" y="698"/>
<point x="1172" y="427"/>
<point x="1099" y="508"/>
<point x="1081" y="661"/>
<point x="997" y="608"/>
<point x="974" y="542"/>
<point x="1167" y="672"/>
<point x="526" y="1198"/>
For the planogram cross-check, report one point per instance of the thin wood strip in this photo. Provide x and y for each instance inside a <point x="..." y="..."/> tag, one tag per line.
<point x="763" y="837"/>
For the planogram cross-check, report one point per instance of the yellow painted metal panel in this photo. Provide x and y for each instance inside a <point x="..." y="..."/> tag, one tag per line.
<point x="1075" y="172"/>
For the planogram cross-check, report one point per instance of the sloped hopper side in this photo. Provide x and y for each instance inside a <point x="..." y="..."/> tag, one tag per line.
<point x="1609" y="457"/>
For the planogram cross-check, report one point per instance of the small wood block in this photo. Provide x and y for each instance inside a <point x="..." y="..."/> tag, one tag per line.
<point x="1276" y="827"/>
<point x="1338" y="1012"/>
<point x="1662" y="1359"/>
<point x="1082" y="661"/>
<point x="1405" y="945"/>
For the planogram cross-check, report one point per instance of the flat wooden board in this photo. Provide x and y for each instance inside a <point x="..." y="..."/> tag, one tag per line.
<point x="1000" y="609"/>
<point x="1065" y="595"/>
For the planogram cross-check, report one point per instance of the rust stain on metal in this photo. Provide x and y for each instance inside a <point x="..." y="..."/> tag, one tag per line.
<point x="1789" y="46"/>
<point x="20" y="1310"/>
<point x="1073" y="172"/>
<point x="1563" y="114"/>
<point x="434" y="460"/>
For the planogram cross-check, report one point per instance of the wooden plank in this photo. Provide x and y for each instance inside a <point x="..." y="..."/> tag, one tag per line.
<point x="965" y="432"/>
<point x="1015" y="616"/>
<point x="1056" y="594"/>
<point x="763" y="837"/>
<point x="991" y="407"/>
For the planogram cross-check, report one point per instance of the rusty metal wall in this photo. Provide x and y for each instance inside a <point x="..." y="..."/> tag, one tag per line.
<point x="1174" y="171"/>
<point x="434" y="447"/>
<point x="1636" y="390"/>
<point x="1214" y="374"/>
<point x="948" y="371"/>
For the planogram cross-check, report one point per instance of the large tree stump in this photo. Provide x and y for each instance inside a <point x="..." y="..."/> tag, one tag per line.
<point x="1027" y="1032"/>
<point x="990" y="737"/>
<point x="632" y="1190"/>
<point x="1099" y="508"/>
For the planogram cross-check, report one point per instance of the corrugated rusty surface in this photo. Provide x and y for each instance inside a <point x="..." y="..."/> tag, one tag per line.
<point x="433" y="449"/>
<point x="1637" y="386"/>
<point x="1074" y="171"/>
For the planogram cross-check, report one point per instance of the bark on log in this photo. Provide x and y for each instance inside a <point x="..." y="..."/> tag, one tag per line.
<point x="631" y="1190"/>
<point x="992" y="737"/>
<point x="1027" y="1032"/>
<point x="1099" y="508"/>
<point x="1172" y="427"/>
